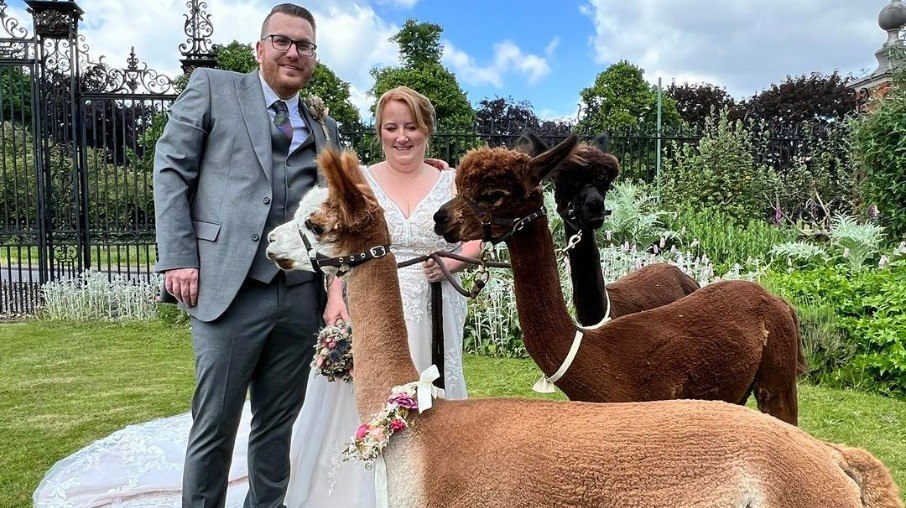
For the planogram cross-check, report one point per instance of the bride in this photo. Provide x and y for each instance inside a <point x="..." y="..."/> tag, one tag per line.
<point x="141" y="465"/>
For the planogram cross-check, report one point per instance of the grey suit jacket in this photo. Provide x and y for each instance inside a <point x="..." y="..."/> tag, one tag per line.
<point x="212" y="182"/>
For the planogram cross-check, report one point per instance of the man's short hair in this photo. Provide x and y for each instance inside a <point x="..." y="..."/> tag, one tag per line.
<point x="290" y="10"/>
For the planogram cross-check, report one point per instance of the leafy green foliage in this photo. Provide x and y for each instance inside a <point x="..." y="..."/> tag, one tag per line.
<point x="634" y="218"/>
<point x="15" y="95"/>
<point x="879" y="154"/>
<point x="857" y="242"/>
<point x="723" y="239"/>
<point x="236" y="56"/>
<point x="870" y="310"/>
<point x="422" y="71"/>
<point x="720" y="172"/>
<point x="419" y="43"/>
<point x="819" y="183"/>
<point x="620" y="98"/>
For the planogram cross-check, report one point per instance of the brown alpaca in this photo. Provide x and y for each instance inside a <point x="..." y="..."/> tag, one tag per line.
<point x="506" y="453"/>
<point x="721" y="342"/>
<point x="580" y="184"/>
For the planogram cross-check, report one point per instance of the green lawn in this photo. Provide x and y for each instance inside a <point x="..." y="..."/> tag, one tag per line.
<point x="65" y="385"/>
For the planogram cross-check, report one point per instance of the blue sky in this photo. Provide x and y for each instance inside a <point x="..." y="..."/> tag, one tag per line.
<point x="543" y="51"/>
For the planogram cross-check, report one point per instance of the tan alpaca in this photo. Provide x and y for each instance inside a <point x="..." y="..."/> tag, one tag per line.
<point x="522" y="453"/>
<point x="720" y="342"/>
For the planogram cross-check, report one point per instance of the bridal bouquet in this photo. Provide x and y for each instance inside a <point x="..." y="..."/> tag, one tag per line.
<point x="333" y="353"/>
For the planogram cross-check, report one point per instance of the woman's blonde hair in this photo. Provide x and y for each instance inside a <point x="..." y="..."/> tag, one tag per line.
<point x="420" y="106"/>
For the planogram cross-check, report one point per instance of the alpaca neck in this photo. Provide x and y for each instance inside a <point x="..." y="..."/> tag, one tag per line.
<point x="547" y="328"/>
<point x="380" y="347"/>
<point x="587" y="278"/>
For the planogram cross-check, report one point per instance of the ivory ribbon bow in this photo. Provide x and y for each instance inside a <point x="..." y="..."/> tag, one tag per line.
<point x="425" y="390"/>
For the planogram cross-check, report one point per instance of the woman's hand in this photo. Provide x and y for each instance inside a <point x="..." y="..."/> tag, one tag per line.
<point x="433" y="271"/>
<point x="335" y="310"/>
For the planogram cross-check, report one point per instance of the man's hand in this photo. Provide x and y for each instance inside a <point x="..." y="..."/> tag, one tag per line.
<point x="182" y="283"/>
<point x="437" y="163"/>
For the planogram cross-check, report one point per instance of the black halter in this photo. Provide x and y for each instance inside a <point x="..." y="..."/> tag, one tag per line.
<point x="514" y="225"/>
<point x="343" y="264"/>
<point x="570" y="217"/>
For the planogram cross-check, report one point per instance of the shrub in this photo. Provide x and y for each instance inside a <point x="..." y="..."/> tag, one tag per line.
<point x="94" y="296"/>
<point x="634" y="218"/>
<point x="870" y="311"/>
<point x="721" y="173"/>
<point x="879" y="153"/>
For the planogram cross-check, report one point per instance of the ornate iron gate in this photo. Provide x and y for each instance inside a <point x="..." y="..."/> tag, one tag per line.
<point x="77" y="151"/>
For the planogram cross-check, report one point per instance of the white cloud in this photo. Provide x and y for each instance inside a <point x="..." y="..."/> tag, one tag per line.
<point x="508" y="58"/>
<point x="743" y="45"/>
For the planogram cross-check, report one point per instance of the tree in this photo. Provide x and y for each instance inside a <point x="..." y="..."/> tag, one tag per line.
<point x="422" y="71"/>
<point x="236" y="56"/>
<point x="621" y="98"/>
<point x="240" y="57"/>
<point x="418" y="43"/>
<point x="696" y="102"/>
<point x="816" y="99"/>
<point x="505" y="117"/>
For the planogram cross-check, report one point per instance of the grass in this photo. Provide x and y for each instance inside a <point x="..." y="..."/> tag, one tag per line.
<point x="63" y="385"/>
<point x="101" y="255"/>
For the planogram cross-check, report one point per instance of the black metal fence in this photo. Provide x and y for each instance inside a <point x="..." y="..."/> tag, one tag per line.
<point x="76" y="151"/>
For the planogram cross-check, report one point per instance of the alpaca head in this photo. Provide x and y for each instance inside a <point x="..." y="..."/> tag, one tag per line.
<point x="581" y="181"/>
<point x="343" y="219"/>
<point x="496" y="186"/>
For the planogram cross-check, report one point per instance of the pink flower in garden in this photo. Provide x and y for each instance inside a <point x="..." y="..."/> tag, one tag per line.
<point x="846" y="252"/>
<point x="608" y="235"/>
<point x="873" y="212"/>
<point x="361" y="432"/>
<point x="778" y="214"/>
<point x="883" y="262"/>
<point x="398" y="424"/>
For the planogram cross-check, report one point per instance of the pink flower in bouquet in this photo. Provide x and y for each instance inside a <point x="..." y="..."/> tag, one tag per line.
<point x="319" y="361"/>
<point x="361" y="432"/>
<point x="398" y="424"/>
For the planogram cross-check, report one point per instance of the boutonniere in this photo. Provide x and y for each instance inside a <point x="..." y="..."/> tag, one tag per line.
<point x="318" y="111"/>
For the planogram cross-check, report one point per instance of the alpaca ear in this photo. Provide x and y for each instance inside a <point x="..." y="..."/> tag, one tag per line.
<point x="530" y="143"/>
<point x="612" y="166"/>
<point x="541" y="165"/>
<point x="345" y="183"/>
<point x="602" y="142"/>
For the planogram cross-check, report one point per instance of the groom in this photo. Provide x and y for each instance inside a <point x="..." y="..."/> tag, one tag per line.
<point x="235" y="157"/>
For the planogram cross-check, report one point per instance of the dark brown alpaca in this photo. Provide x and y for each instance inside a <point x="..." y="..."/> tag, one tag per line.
<point x="721" y="342"/>
<point x="500" y="453"/>
<point x="580" y="184"/>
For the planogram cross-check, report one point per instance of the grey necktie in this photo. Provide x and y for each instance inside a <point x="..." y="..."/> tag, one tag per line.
<point x="281" y="120"/>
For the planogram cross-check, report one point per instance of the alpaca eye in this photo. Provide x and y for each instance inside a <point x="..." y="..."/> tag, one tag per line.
<point x="494" y="198"/>
<point x="314" y="228"/>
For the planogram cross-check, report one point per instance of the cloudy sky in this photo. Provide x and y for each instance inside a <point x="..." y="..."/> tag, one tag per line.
<point x="542" y="51"/>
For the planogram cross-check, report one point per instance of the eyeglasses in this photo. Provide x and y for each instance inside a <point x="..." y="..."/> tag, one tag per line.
<point x="282" y="43"/>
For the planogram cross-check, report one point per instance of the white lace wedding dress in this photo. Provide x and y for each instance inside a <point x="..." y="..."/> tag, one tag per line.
<point x="141" y="466"/>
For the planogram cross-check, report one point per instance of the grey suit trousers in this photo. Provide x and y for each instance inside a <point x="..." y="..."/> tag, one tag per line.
<point x="266" y="335"/>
